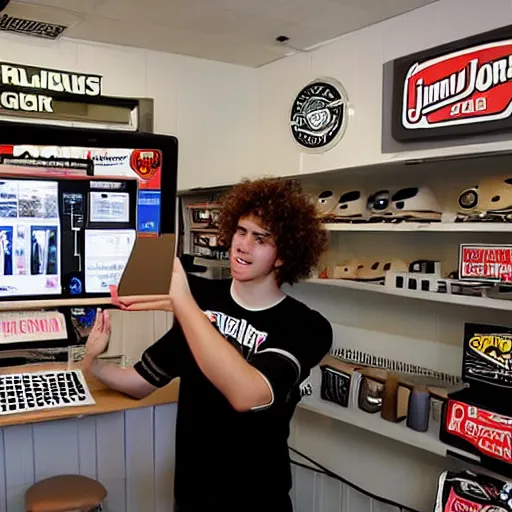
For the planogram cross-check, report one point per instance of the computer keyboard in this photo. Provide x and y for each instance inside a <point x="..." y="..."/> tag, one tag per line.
<point x="24" y="392"/>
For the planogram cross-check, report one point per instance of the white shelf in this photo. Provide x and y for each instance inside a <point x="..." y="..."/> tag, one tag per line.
<point x="428" y="441"/>
<point x="440" y="227"/>
<point x="461" y="300"/>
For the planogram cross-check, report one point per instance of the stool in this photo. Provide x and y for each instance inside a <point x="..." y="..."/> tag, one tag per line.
<point x="64" y="493"/>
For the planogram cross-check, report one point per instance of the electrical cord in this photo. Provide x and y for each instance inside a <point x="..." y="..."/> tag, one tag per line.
<point x="335" y="476"/>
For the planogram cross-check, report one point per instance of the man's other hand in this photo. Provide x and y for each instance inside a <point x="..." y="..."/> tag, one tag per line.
<point x="100" y="335"/>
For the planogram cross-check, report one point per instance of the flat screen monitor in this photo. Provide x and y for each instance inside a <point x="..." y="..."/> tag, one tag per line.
<point x="72" y="204"/>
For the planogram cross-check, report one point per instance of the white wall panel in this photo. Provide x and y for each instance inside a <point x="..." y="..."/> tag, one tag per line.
<point x="165" y="419"/>
<point x="123" y="68"/>
<point x="278" y="82"/>
<point x="140" y="468"/>
<point x="87" y="460"/>
<point x="52" y="438"/>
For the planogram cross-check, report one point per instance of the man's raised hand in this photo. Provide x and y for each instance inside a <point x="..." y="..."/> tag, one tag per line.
<point x="99" y="336"/>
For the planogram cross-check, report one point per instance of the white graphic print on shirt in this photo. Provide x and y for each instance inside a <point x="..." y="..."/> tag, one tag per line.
<point x="242" y="335"/>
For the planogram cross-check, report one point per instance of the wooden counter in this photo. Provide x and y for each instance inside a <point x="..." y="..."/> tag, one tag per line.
<point x="107" y="400"/>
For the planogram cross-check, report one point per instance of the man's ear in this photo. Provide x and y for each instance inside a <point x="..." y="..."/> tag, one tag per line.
<point x="278" y="263"/>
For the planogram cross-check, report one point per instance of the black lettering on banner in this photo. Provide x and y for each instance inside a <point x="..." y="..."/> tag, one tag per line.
<point x="31" y="89"/>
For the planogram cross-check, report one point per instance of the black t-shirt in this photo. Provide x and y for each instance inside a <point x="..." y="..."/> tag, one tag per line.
<point x="226" y="458"/>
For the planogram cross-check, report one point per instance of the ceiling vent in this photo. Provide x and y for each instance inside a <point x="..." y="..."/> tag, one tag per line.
<point x="35" y="20"/>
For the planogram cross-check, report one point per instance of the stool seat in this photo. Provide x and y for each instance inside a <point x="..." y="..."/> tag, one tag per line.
<point x="63" y="493"/>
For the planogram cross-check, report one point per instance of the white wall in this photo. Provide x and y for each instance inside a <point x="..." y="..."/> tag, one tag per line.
<point x="356" y="60"/>
<point x="209" y="106"/>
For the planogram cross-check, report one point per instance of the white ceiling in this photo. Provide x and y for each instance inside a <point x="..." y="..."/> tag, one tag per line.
<point x="236" y="31"/>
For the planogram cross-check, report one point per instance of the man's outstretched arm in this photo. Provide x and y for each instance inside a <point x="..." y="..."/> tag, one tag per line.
<point x="242" y="384"/>
<point x="124" y="380"/>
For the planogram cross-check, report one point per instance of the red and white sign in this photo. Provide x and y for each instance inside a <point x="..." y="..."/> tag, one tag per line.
<point x="490" y="433"/>
<point x="32" y="326"/>
<point x="472" y="85"/>
<point x="146" y="165"/>
<point x="491" y="263"/>
<point x="457" y="504"/>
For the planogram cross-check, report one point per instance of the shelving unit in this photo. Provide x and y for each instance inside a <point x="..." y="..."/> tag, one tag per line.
<point x="410" y="331"/>
<point x="421" y="327"/>
<point x="428" y="441"/>
<point x="200" y="233"/>
<point x="461" y="300"/>
<point x="437" y="227"/>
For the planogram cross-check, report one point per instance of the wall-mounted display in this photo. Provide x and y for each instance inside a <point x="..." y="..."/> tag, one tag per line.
<point x="73" y="202"/>
<point x="318" y="116"/>
<point x="460" y="88"/>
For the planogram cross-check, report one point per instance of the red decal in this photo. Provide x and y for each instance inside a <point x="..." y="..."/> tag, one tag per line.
<point x="490" y="433"/>
<point x="490" y="263"/>
<point x="457" y="504"/>
<point x="6" y="150"/>
<point x="147" y="164"/>
<point x="463" y="87"/>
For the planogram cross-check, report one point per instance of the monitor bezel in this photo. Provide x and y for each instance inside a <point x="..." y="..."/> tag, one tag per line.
<point x="35" y="134"/>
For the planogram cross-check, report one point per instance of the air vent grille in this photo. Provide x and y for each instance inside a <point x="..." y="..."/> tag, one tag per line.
<point x="36" y="20"/>
<point x="28" y="27"/>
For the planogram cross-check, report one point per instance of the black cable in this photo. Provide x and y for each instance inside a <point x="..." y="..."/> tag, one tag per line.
<point x="305" y="466"/>
<point x="331" y="474"/>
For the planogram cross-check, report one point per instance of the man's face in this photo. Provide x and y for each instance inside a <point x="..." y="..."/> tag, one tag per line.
<point x="253" y="254"/>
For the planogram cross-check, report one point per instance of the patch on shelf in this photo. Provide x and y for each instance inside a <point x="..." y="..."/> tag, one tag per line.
<point x="487" y="356"/>
<point x="473" y="492"/>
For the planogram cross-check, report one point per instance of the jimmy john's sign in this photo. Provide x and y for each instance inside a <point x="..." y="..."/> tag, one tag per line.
<point x="31" y="89"/>
<point x="461" y="88"/>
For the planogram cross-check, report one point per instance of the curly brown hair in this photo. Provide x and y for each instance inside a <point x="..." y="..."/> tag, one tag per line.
<point x="285" y="210"/>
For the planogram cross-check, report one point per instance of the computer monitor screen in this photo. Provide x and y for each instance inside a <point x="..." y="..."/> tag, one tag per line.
<point x="72" y="204"/>
<point x="62" y="236"/>
<point x="29" y="238"/>
<point x="106" y="254"/>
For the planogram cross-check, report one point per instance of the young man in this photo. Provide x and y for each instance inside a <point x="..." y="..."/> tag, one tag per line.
<point x="241" y="348"/>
